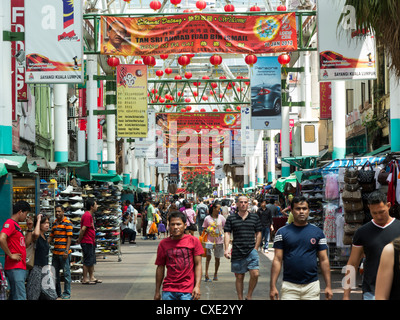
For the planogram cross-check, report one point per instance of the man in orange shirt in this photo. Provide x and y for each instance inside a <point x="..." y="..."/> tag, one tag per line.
<point x="61" y="233"/>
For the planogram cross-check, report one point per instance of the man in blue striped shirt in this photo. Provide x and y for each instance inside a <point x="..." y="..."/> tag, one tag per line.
<point x="245" y="227"/>
<point x="297" y="246"/>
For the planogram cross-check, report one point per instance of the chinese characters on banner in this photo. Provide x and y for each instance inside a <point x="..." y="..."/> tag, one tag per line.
<point x="325" y="96"/>
<point x="132" y="101"/>
<point x="198" y="33"/>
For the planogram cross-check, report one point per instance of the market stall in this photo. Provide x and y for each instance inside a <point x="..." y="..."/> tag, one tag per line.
<point x="338" y="193"/>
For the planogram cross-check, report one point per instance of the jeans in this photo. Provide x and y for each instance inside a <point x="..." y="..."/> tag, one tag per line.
<point x="265" y="232"/>
<point x="368" y="296"/>
<point x="168" y="295"/>
<point x="58" y="264"/>
<point x="16" y="279"/>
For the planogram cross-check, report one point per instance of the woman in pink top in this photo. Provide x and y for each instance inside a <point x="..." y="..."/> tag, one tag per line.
<point x="190" y="218"/>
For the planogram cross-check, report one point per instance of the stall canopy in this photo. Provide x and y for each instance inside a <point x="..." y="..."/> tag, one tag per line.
<point x="104" y="177"/>
<point x="280" y="183"/>
<point x="81" y="169"/>
<point x="302" y="162"/>
<point x="15" y="163"/>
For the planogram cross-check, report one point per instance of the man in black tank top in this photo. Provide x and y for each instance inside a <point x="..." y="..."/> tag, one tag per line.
<point x="370" y="240"/>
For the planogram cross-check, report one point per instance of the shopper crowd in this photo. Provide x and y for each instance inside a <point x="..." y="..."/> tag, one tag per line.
<point x="232" y="228"/>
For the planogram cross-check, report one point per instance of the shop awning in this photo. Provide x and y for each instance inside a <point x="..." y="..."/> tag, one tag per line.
<point x="302" y="162"/>
<point x="105" y="177"/>
<point x="382" y="150"/>
<point x="3" y="169"/>
<point x="17" y="163"/>
<point x="280" y="183"/>
<point x="357" y="162"/>
<point x="80" y="168"/>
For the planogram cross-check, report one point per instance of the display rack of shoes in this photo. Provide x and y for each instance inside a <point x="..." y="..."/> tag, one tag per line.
<point x="47" y="199"/>
<point x="72" y="200"/>
<point x="107" y="217"/>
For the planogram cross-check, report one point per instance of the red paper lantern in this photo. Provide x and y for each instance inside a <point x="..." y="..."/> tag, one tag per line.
<point x="168" y="106"/>
<point x="255" y="8"/>
<point x="281" y="8"/>
<point x="284" y="59"/>
<point x="161" y="100"/>
<point x="138" y="62"/>
<point x="228" y="110"/>
<point x="175" y="2"/>
<point x="169" y="71"/>
<point x="113" y="61"/>
<point x="250" y="59"/>
<point x="195" y="94"/>
<point x="196" y="84"/>
<point x="202" y="110"/>
<point x="184" y="61"/>
<point x="216" y="60"/>
<point x="163" y="56"/>
<point x="229" y="8"/>
<point x="159" y="73"/>
<point x="206" y="77"/>
<point x="205" y="98"/>
<point x="215" y="110"/>
<point x="214" y="85"/>
<point x="201" y="5"/>
<point x="188" y="75"/>
<point x="187" y="100"/>
<point x="238" y="108"/>
<point x="149" y="61"/>
<point x="155" y="5"/>
<point x="183" y="110"/>
<point x="178" y="77"/>
<point x="188" y="108"/>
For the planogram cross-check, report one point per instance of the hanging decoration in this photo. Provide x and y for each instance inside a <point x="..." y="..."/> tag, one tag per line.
<point x="215" y="60"/>
<point x="155" y="5"/>
<point x="149" y="61"/>
<point x="178" y="77"/>
<point x="250" y="59"/>
<point x="113" y="62"/>
<point x="229" y="8"/>
<point x="168" y="71"/>
<point x="284" y="59"/>
<point x="164" y="56"/>
<point x="201" y="5"/>
<point x="159" y="73"/>
<point x="281" y="8"/>
<point x="175" y="2"/>
<point x="183" y="61"/>
<point x="255" y="8"/>
<point x="188" y="75"/>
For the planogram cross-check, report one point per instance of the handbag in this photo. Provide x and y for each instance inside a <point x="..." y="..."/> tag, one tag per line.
<point x="382" y="176"/>
<point x="366" y="174"/>
<point x="353" y="206"/>
<point x="351" y="173"/>
<point x="351" y="196"/>
<point x="354" y="217"/>
<point x="30" y="256"/>
<point x="192" y="227"/>
<point x="351" y="228"/>
<point x="351" y="180"/>
<point x="368" y="187"/>
<point x="351" y="186"/>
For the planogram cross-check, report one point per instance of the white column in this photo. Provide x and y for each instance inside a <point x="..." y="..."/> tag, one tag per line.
<point x="271" y="156"/>
<point x="111" y="129"/>
<point x="60" y="123"/>
<point x="394" y="113"/>
<point x="5" y="87"/>
<point x="306" y="85"/>
<point x="91" y="103"/>
<point x="285" y="141"/>
<point x="339" y="119"/>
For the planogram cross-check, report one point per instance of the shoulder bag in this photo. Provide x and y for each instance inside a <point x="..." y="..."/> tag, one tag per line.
<point x="366" y="174"/>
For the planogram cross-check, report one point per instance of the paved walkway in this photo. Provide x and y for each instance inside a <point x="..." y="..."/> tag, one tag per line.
<point x="133" y="278"/>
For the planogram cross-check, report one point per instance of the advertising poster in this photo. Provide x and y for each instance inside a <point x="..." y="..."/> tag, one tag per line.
<point x="345" y="52"/>
<point x="197" y="32"/>
<point x="266" y="101"/>
<point x="325" y="98"/>
<point x="197" y="138"/>
<point x="132" y="101"/>
<point x="53" y="41"/>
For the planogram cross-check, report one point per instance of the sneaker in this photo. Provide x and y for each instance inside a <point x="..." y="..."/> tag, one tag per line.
<point x="78" y="212"/>
<point x="76" y="198"/>
<point x="77" y="205"/>
<point x="68" y="190"/>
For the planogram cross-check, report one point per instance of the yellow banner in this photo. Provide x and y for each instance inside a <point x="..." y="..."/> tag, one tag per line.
<point x="132" y="101"/>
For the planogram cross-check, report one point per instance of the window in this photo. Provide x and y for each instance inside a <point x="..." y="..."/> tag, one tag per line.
<point x="349" y="100"/>
<point x="309" y="133"/>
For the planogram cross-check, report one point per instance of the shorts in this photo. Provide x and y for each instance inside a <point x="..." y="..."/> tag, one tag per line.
<point x="218" y="251"/>
<point x="89" y="254"/>
<point x="169" y="295"/>
<point x="251" y="262"/>
<point x="294" y="291"/>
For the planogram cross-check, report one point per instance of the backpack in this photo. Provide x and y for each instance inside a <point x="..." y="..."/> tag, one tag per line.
<point x="202" y="212"/>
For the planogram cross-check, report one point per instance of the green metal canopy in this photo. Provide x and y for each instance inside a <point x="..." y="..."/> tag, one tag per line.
<point x="280" y="183"/>
<point x="308" y="162"/>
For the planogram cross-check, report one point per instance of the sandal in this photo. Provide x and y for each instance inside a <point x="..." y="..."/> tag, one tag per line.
<point x="215" y="278"/>
<point x="98" y="281"/>
<point x="89" y="282"/>
<point x="207" y="280"/>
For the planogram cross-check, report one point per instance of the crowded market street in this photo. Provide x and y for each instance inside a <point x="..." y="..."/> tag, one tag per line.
<point x="133" y="278"/>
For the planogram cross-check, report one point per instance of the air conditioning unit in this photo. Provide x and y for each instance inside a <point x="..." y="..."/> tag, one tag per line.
<point x="71" y="125"/>
<point x="72" y="112"/>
